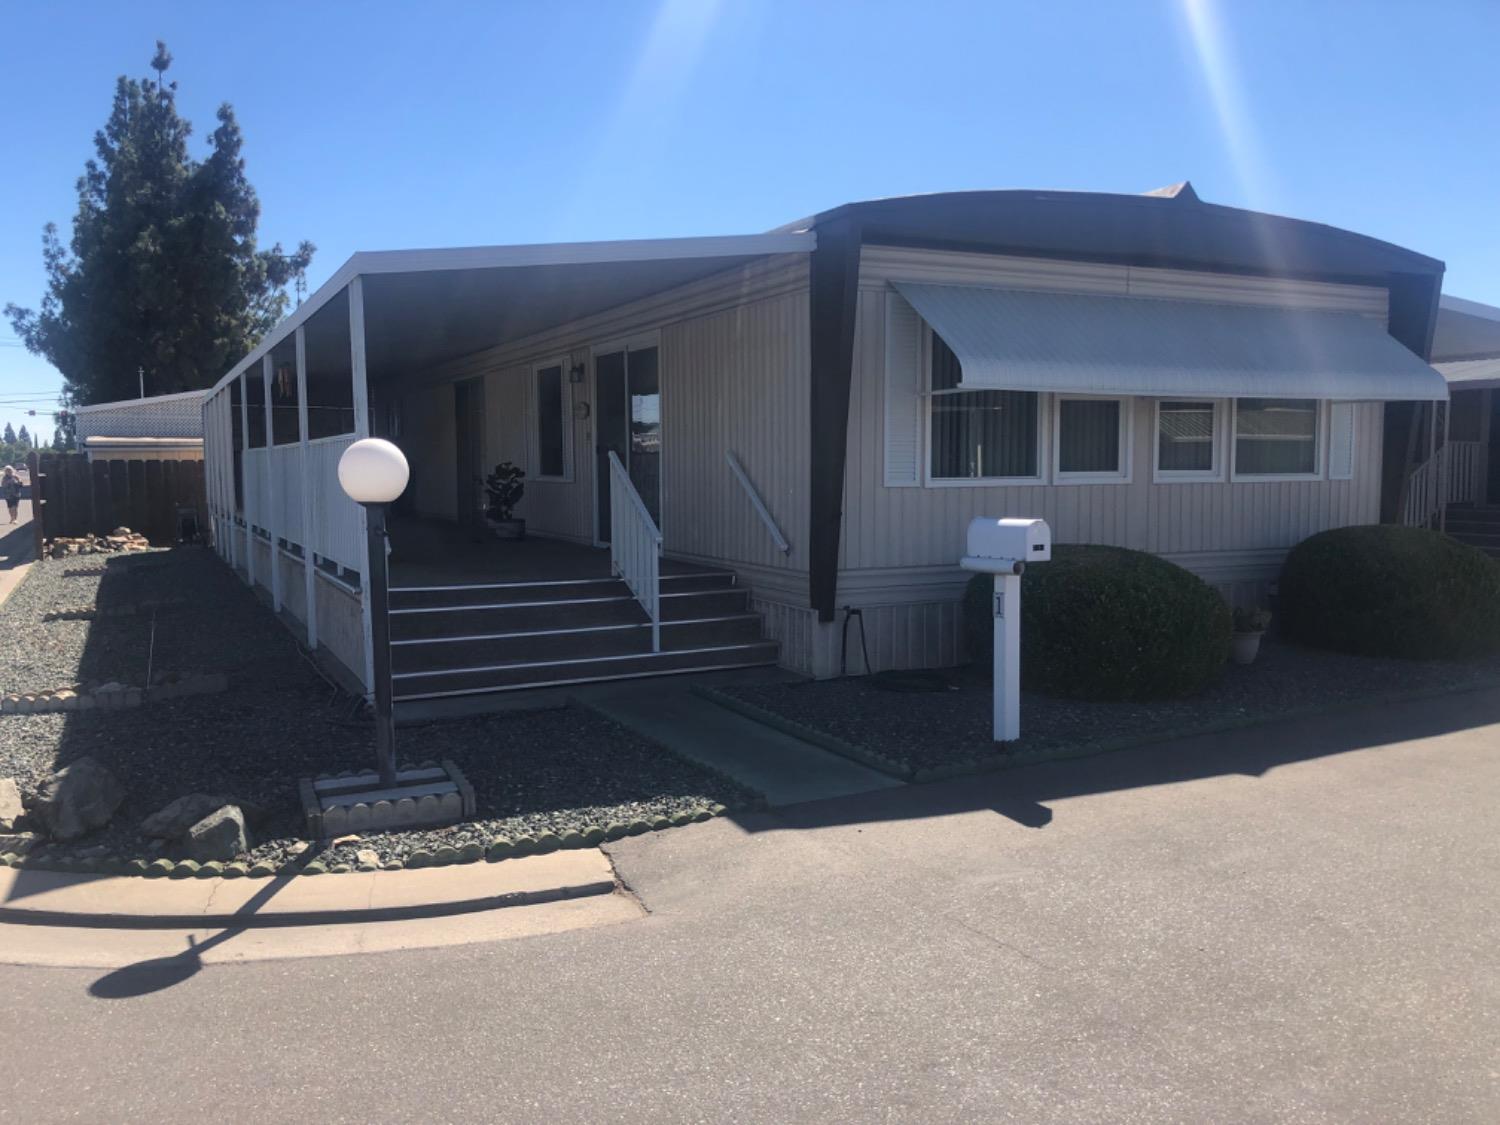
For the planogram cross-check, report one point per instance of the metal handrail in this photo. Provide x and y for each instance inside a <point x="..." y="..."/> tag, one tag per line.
<point x="635" y="545"/>
<point x="757" y="503"/>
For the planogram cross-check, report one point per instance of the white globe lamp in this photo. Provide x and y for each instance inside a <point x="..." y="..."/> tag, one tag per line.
<point x="373" y="471"/>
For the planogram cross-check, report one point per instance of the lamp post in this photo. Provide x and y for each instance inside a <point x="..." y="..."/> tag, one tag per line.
<point x="374" y="472"/>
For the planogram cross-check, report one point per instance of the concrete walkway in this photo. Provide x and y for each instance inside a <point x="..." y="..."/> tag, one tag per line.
<point x="17" y="549"/>
<point x="786" y="769"/>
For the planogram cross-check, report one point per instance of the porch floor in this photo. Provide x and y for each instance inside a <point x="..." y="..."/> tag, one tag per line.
<point x="428" y="552"/>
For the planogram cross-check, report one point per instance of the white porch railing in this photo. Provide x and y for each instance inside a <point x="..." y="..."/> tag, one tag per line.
<point x="257" y="487"/>
<point x="1468" y="468"/>
<point x="757" y="503"/>
<point x="635" y="545"/>
<point x="335" y="532"/>
<point x="286" y="466"/>
<point x="1455" y="474"/>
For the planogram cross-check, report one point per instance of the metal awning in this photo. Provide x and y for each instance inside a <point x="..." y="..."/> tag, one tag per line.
<point x="1009" y="339"/>
<point x="1471" y="374"/>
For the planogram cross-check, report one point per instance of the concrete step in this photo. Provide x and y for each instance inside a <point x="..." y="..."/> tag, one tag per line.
<point x="516" y="676"/>
<point x="453" y="653"/>
<point x="486" y="594"/>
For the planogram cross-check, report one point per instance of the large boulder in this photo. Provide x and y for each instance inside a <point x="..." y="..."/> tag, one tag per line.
<point x="173" y="821"/>
<point x="220" y="835"/>
<point x="11" y="809"/>
<point x="77" y="799"/>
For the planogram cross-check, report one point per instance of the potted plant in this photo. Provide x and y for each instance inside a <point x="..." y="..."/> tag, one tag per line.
<point x="1249" y="626"/>
<point x="502" y="492"/>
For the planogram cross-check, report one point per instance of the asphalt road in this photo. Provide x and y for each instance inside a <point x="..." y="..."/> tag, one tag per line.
<point x="1296" y="923"/>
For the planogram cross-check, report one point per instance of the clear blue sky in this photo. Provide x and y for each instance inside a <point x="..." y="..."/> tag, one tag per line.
<point x="382" y="125"/>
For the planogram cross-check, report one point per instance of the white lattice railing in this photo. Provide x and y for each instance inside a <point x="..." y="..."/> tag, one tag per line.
<point x="1468" y="467"/>
<point x="286" y="468"/>
<point x="257" y="482"/>
<point x="335" y="530"/>
<point x="635" y="545"/>
<point x="1455" y="474"/>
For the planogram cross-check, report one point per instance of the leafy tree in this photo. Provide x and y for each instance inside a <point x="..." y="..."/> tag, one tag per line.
<point x="9" y="435"/>
<point x="24" y="438"/>
<point x="162" y="274"/>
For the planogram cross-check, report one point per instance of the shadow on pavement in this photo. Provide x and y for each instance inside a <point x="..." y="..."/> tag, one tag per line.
<point x="161" y="973"/>
<point x="1021" y="794"/>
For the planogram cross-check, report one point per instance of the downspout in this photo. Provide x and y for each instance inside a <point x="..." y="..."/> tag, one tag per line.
<point x="833" y="297"/>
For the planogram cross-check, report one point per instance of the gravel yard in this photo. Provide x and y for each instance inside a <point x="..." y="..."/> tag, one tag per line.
<point x="927" y="730"/>
<point x="533" y="773"/>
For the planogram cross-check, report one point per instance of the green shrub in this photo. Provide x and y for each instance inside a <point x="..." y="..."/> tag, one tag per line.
<point x="1107" y="623"/>
<point x="1391" y="591"/>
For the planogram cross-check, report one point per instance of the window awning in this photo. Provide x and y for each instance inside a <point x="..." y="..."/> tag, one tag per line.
<point x="1009" y="339"/>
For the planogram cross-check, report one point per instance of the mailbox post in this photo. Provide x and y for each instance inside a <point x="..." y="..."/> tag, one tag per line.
<point x="1004" y="548"/>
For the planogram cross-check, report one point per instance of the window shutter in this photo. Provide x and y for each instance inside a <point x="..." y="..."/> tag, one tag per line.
<point x="1340" y="440"/>
<point x="903" y="394"/>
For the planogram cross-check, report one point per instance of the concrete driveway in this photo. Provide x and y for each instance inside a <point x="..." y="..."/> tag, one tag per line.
<point x="1293" y="923"/>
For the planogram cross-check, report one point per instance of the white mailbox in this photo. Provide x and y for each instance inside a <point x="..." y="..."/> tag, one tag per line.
<point x="1003" y="548"/>
<point x="996" y="546"/>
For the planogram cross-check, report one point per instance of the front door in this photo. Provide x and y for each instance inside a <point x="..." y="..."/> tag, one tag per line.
<point x="468" y="432"/>
<point x="627" y="422"/>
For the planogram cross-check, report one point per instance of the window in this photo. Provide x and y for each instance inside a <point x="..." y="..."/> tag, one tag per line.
<point x="1276" y="437"/>
<point x="1092" y="439"/>
<point x="552" y="422"/>
<point x="979" y="435"/>
<point x="1187" y="439"/>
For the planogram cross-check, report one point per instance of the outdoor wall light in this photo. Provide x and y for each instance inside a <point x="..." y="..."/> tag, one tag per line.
<point x="576" y="373"/>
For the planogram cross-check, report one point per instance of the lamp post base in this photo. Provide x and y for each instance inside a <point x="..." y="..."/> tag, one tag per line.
<point x="425" y="796"/>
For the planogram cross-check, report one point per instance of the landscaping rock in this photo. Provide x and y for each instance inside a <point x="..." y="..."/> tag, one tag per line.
<point x="17" y="843"/>
<point x="219" y="835"/>
<point x="173" y="821"/>
<point x="78" y="799"/>
<point x="11" y="809"/>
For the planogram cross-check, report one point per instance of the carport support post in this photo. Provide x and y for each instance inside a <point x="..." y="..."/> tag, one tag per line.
<point x="309" y="494"/>
<point x="1007" y="717"/>
<point x="362" y="430"/>
<point x="378" y="602"/>
<point x="272" y="516"/>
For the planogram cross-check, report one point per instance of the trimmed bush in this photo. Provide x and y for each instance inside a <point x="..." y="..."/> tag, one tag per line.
<point x="1391" y="591"/>
<point x="1107" y="623"/>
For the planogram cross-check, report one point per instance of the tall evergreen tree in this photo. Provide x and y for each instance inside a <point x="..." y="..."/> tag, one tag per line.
<point x="162" y="274"/>
<point x="9" y="434"/>
<point x="24" y="438"/>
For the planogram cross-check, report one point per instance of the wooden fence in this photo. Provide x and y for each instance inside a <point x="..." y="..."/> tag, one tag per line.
<point x="72" y="496"/>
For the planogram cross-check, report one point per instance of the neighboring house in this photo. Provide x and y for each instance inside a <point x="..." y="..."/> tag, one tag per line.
<point x="159" y="428"/>
<point x="772" y="431"/>
<point x="1466" y="350"/>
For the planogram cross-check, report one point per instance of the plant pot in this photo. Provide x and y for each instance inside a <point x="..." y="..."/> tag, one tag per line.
<point x="1244" y="646"/>
<point x="507" y="529"/>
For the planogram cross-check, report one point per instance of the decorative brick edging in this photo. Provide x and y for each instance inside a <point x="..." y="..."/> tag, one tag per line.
<point x="500" y="848"/>
<point x="131" y="609"/>
<point x="108" y="697"/>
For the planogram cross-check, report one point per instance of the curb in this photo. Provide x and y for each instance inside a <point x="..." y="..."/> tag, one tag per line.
<point x="996" y="762"/>
<point x="106" y="921"/>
